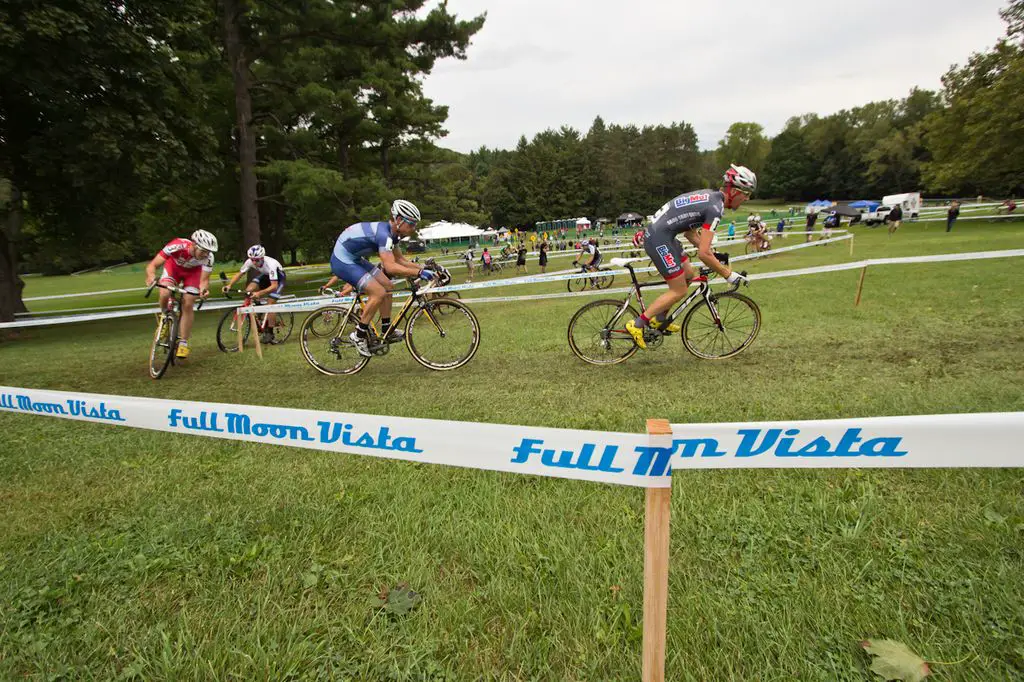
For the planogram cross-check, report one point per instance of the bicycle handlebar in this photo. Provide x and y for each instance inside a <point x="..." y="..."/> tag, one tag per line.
<point x="174" y="290"/>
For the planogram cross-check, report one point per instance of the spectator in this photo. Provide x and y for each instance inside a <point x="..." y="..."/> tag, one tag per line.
<point x="732" y="229"/>
<point x="521" y="259"/>
<point x="812" y="218"/>
<point x="781" y="226"/>
<point x="894" y="218"/>
<point x="468" y="257"/>
<point x="543" y="257"/>
<point x="952" y="214"/>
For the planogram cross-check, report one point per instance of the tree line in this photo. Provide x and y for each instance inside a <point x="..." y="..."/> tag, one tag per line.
<point x="123" y="124"/>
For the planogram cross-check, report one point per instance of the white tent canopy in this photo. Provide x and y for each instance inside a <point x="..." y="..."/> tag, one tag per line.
<point x="445" y="230"/>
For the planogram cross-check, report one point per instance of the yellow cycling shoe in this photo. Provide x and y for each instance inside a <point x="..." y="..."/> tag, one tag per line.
<point x="183" y="350"/>
<point x="672" y="327"/>
<point x="637" y="334"/>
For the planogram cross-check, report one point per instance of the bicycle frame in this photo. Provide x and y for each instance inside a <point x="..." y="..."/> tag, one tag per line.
<point x="703" y="291"/>
<point x="396" y="322"/>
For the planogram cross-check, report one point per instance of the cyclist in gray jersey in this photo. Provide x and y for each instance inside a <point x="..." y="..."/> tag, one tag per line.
<point x="694" y="215"/>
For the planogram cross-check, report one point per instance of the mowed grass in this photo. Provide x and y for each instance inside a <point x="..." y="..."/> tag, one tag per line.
<point x="136" y="555"/>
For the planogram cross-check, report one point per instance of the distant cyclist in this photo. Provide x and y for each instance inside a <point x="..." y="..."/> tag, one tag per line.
<point x="348" y="261"/>
<point x="186" y="263"/>
<point x="269" y="281"/>
<point x="590" y="255"/>
<point x="695" y="215"/>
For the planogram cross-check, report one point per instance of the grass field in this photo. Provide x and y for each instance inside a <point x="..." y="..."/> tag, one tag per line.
<point x="134" y="555"/>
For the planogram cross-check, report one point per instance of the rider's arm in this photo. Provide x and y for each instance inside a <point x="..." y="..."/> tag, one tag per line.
<point x="157" y="262"/>
<point x="393" y="266"/>
<point x="702" y="240"/>
<point x="204" y="283"/>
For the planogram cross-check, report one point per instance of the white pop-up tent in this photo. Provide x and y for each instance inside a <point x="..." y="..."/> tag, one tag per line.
<point x="445" y="230"/>
<point x="583" y="223"/>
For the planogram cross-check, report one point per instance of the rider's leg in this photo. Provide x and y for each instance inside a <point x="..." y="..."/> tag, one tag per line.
<point x="187" y="315"/>
<point x="677" y="290"/>
<point x="385" y="307"/>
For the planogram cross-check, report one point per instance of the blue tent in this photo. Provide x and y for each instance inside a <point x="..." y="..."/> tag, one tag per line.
<point x="866" y="205"/>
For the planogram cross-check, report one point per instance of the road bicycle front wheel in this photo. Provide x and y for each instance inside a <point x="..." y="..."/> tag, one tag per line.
<point x="227" y="331"/>
<point x="443" y="334"/>
<point x="739" y="321"/>
<point x="605" y="281"/>
<point x="597" y="333"/>
<point x="161" y="354"/>
<point x="576" y="284"/>
<point x="331" y="353"/>
<point x="283" y="324"/>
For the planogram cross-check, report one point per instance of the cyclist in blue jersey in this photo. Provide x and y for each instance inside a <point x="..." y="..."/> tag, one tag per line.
<point x="695" y="215"/>
<point x="348" y="262"/>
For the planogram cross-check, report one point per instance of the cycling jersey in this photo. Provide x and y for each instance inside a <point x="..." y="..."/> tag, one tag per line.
<point x="270" y="267"/>
<point x="593" y="252"/>
<point x="363" y="239"/>
<point x="689" y="211"/>
<point x="181" y="253"/>
<point x="348" y="260"/>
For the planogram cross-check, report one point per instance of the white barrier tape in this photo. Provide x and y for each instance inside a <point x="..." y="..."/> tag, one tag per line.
<point x="64" y="311"/>
<point x="314" y="303"/>
<point x="950" y="440"/>
<point x="87" y="293"/>
<point x="620" y="458"/>
<point x="99" y="316"/>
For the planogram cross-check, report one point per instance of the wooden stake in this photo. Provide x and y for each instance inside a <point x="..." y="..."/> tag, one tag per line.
<point x="860" y="285"/>
<point x="657" y="513"/>
<point x="239" y="320"/>
<point x="256" y="334"/>
<point x="851" y="246"/>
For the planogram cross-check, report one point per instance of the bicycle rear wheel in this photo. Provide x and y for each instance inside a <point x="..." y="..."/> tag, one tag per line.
<point x="161" y="354"/>
<point x="443" y="334"/>
<point x="597" y="333"/>
<point x="227" y="331"/>
<point x="283" y="324"/>
<point x="324" y="338"/>
<point x="605" y="280"/>
<point x="740" y="323"/>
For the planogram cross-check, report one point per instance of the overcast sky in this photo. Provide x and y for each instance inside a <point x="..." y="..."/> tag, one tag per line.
<point x="539" y="64"/>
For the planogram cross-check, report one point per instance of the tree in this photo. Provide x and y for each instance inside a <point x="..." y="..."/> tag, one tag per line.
<point x="97" y="109"/>
<point x="744" y="144"/>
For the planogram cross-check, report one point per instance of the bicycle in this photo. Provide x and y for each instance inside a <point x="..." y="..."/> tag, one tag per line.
<point x="722" y="327"/>
<point x="165" y="340"/>
<point x="227" y="328"/>
<point x="594" y="281"/>
<point x="449" y="341"/>
<point x="756" y="244"/>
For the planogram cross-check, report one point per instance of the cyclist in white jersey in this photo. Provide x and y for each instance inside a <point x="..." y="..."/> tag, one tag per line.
<point x="269" y="280"/>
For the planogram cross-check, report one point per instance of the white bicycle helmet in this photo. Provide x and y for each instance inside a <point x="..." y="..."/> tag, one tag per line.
<point x="205" y="240"/>
<point x="406" y="210"/>
<point x="740" y="177"/>
<point x="256" y="252"/>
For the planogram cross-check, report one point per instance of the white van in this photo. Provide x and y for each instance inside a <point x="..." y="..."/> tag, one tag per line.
<point x="910" y="202"/>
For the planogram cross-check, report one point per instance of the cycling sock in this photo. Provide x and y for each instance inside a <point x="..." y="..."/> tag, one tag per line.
<point x="385" y="323"/>
<point x="362" y="331"/>
<point x="641" y="321"/>
<point x="660" y="318"/>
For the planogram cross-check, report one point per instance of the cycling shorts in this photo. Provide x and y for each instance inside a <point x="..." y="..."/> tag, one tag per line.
<point x="187" y="278"/>
<point x="263" y="281"/>
<point x="358" y="274"/>
<point x="666" y="253"/>
<point x="596" y="260"/>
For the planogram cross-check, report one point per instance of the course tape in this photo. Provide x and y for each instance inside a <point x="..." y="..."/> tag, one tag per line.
<point x="47" y="321"/>
<point x="621" y="458"/>
<point x="950" y="440"/>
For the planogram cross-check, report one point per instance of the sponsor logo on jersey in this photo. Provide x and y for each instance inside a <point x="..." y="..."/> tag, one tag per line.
<point x="682" y="202"/>
<point x="666" y="256"/>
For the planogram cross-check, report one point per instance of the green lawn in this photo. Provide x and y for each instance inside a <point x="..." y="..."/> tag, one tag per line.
<point x="127" y="554"/>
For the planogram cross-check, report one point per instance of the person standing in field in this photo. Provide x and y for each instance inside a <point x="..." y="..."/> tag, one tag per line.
<point x="894" y="218"/>
<point x="952" y="214"/>
<point x="812" y="218"/>
<point x="543" y="259"/>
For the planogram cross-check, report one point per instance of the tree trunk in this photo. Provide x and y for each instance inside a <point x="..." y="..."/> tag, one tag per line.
<point x="233" y="11"/>
<point x="11" y="285"/>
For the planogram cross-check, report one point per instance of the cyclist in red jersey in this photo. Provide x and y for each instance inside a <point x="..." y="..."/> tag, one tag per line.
<point x="186" y="263"/>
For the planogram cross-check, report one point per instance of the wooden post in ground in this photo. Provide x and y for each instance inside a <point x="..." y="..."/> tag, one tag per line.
<point x="256" y="334"/>
<point x="860" y="285"/>
<point x="657" y="512"/>
<point x="851" y="245"/>
<point x="239" y="320"/>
